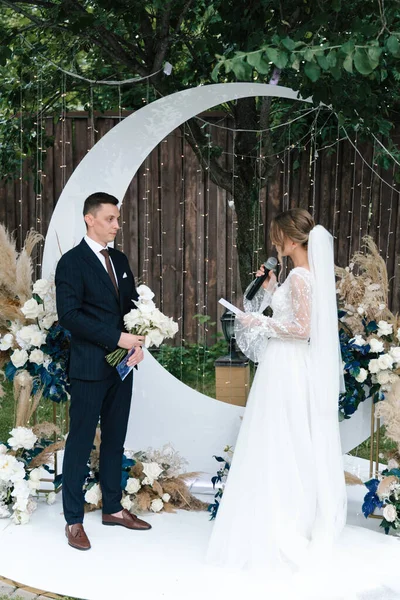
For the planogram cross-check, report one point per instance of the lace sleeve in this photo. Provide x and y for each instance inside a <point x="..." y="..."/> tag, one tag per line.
<point x="253" y="330"/>
<point x="261" y="300"/>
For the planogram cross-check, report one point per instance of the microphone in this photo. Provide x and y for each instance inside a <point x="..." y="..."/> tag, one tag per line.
<point x="269" y="265"/>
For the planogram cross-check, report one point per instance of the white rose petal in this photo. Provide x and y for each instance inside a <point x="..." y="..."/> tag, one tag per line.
<point x="37" y="474"/>
<point x="166" y="497"/>
<point x="362" y="376"/>
<point x="133" y="485"/>
<point x="4" y="511"/>
<point x="385" y="361"/>
<point x="152" y="471"/>
<point x="20" y="517"/>
<point x="3" y="449"/>
<point x="41" y="287"/>
<point x="19" y="358"/>
<point x="157" y="505"/>
<point x="6" y="342"/>
<point x="373" y="366"/>
<point x="395" y="354"/>
<point x="376" y="345"/>
<point x="145" y="292"/>
<point x="51" y="498"/>
<point x="153" y="338"/>
<point x="38" y="338"/>
<point x="358" y="340"/>
<point x="93" y="496"/>
<point x="22" y="437"/>
<point x="393" y="464"/>
<point x="126" y="502"/>
<point x="384" y="328"/>
<point x="146" y="307"/>
<point x="48" y="321"/>
<point x="32" y="309"/>
<point x="389" y="513"/>
<point x="36" y="357"/>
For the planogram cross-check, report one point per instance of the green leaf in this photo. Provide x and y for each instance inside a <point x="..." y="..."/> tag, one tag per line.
<point x="363" y="63"/>
<point x="348" y="47"/>
<point x="289" y="43"/>
<point x="332" y="58"/>
<point x="374" y="54"/>
<point x="241" y="68"/>
<point x="309" y="54"/>
<point x="322" y="60"/>
<point x="256" y="60"/>
<point x="393" y="45"/>
<point x="312" y="70"/>
<point x="348" y="63"/>
<point x="215" y="71"/>
<point x="278" y="57"/>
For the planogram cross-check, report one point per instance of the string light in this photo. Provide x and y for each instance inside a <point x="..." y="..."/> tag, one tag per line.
<point x="21" y="144"/>
<point x="335" y="198"/>
<point x="350" y="247"/>
<point x="121" y="208"/>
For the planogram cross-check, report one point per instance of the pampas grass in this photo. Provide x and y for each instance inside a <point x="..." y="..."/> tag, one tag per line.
<point x="46" y="454"/>
<point x="24" y="269"/>
<point x="45" y="430"/>
<point x="8" y="263"/>
<point x="23" y="384"/>
<point x="351" y="479"/>
<point x="389" y="411"/>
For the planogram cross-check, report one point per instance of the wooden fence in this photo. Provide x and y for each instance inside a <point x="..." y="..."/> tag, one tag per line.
<point x="178" y="228"/>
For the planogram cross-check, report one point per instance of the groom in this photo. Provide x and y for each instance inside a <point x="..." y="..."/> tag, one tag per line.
<point x="94" y="289"/>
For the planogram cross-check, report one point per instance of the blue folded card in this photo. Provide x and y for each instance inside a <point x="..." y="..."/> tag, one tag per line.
<point x="122" y="367"/>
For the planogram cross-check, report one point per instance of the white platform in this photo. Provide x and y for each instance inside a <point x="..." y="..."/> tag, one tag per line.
<point x="164" y="563"/>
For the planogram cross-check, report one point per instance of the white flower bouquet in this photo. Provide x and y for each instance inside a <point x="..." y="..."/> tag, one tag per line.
<point x="145" y="320"/>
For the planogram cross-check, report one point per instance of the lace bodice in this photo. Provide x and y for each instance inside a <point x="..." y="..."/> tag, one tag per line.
<point x="291" y="320"/>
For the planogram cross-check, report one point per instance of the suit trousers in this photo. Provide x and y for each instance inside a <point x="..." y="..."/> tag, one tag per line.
<point x="109" y="399"/>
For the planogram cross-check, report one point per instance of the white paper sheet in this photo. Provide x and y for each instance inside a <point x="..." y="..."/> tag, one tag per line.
<point x="230" y="306"/>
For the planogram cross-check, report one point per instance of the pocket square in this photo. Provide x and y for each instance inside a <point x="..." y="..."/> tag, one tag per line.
<point x="124" y="275"/>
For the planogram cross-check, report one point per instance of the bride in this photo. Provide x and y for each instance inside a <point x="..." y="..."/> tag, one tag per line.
<point x="284" y="503"/>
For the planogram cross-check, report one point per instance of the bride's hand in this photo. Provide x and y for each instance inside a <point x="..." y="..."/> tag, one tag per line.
<point x="270" y="279"/>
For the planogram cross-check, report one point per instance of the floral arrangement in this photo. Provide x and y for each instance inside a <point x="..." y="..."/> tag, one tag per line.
<point x="220" y="478"/>
<point x="151" y="481"/>
<point x="369" y="332"/>
<point x="31" y="340"/>
<point x="24" y="461"/>
<point x="384" y="490"/>
<point x="145" y="320"/>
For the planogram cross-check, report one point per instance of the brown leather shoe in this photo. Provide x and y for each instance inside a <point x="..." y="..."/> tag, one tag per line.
<point x="127" y="520"/>
<point x="77" y="537"/>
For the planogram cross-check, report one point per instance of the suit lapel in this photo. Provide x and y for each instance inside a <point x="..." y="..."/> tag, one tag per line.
<point x="90" y="257"/>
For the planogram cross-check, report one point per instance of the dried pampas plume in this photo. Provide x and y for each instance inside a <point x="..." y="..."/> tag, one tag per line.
<point x="45" y="430"/>
<point x="8" y="263"/>
<point x="389" y="411"/>
<point x="44" y="457"/>
<point x="351" y="479"/>
<point x="23" y="384"/>
<point x="24" y="268"/>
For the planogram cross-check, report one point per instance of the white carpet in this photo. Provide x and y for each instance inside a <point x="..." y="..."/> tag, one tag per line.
<point x="163" y="563"/>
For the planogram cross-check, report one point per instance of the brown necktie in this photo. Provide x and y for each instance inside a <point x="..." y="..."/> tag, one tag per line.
<point x="110" y="271"/>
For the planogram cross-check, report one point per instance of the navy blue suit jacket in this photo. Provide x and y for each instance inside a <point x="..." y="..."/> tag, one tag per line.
<point x="88" y="306"/>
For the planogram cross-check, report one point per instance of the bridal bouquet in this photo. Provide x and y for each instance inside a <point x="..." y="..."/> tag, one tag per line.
<point x="145" y="320"/>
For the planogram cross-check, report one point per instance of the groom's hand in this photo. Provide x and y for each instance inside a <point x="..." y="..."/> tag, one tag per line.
<point x="127" y="340"/>
<point x="136" y="357"/>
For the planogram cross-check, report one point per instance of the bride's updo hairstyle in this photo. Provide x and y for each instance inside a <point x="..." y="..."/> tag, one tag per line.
<point x="294" y="224"/>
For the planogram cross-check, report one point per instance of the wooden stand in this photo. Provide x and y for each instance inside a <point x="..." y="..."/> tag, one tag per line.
<point x="232" y="380"/>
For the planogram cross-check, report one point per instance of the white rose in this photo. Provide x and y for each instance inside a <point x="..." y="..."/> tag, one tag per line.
<point x="358" y="340"/>
<point x="132" y="319"/>
<point x="36" y="356"/>
<point x="385" y="361"/>
<point x="32" y="309"/>
<point x="20" y="517"/>
<point x="393" y="464"/>
<point x="48" y="321"/>
<point x="383" y="377"/>
<point x="362" y="376"/>
<point x="373" y="366"/>
<point x="41" y="287"/>
<point x="133" y="485"/>
<point x="376" y="345"/>
<point x="3" y="448"/>
<point x="22" y="437"/>
<point x="11" y="469"/>
<point x="93" y="496"/>
<point x="4" y="511"/>
<point x="395" y="354"/>
<point x="38" y="338"/>
<point x="51" y="498"/>
<point x="153" y="338"/>
<point x="389" y="513"/>
<point x="166" y="497"/>
<point x="146" y="307"/>
<point x="19" y="358"/>
<point x="6" y="342"/>
<point x="37" y="474"/>
<point x="157" y="505"/>
<point x="126" y="502"/>
<point x="144" y="292"/>
<point x="384" y="328"/>
<point x="361" y="309"/>
<point x="152" y="471"/>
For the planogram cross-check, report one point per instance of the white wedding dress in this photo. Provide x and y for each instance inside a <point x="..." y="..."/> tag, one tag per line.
<point x="283" y="510"/>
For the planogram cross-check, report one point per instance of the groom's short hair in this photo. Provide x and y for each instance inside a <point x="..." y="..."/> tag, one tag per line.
<point x="94" y="201"/>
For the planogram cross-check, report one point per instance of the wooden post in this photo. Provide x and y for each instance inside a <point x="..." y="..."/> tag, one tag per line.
<point x="232" y="381"/>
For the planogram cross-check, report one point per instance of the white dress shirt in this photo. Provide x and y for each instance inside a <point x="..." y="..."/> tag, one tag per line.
<point x="96" y="248"/>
